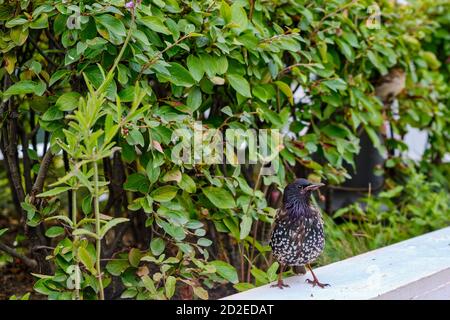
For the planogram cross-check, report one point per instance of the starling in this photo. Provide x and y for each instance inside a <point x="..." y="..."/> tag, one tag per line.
<point x="297" y="237"/>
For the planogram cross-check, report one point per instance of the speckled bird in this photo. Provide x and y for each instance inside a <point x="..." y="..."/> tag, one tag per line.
<point x="297" y="237"/>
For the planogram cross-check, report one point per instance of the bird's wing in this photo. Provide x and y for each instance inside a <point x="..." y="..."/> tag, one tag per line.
<point x="280" y="215"/>
<point x="297" y="226"/>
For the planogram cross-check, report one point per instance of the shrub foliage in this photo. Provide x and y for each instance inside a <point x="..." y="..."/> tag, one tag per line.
<point x="103" y="85"/>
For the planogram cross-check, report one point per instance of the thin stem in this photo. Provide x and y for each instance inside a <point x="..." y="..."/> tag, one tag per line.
<point x="160" y="53"/>
<point x="256" y="186"/>
<point x="289" y="68"/>
<point x="98" y="241"/>
<point x="74" y="207"/>
<point x="117" y="60"/>
<point x="341" y="8"/>
<point x="74" y="221"/>
<point x="29" y="262"/>
<point x="241" y="255"/>
<point x="252" y="7"/>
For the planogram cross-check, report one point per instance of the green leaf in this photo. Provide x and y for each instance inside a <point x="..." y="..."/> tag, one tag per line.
<point x="164" y="194"/>
<point x="157" y="246"/>
<point x="201" y="293"/>
<point x="245" y="226"/>
<point x="187" y="184"/>
<point x="307" y="14"/>
<point x="54" y="232"/>
<point x="227" y="110"/>
<point x="271" y="116"/>
<point x="52" y="114"/>
<point x="200" y="232"/>
<point x="176" y="232"/>
<point x="170" y="286"/>
<point x="335" y="131"/>
<point x="85" y="257"/>
<point x="195" y="67"/>
<point x="135" y="137"/>
<point x="336" y="84"/>
<point x="112" y="24"/>
<point x="68" y="101"/>
<point x="243" y="286"/>
<point x="57" y="76"/>
<point x="239" y="84"/>
<point x="84" y="232"/>
<point x="232" y="226"/>
<point x="62" y="218"/>
<point x="136" y="182"/>
<point x="134" y="256"/>
<point x="40" y="23"/>
<point x="179" y="75"/>
<point x="239" y="16"/>
<point x="16" y="22"/>
<point x="117" y="267"/>
<point x="225" y="11"/>
<point x="375" y="139"/>
<point x="219" y="197"/>
<point x="286" y="90"/>
<point x="155" y="24"/>
<point x="21" y="87"/>
<point x="346" y="49"/>
<point x="3" y="231"/>
<point x="53" y="192"/>
<point x="110" y="224"/>
<point x="225" y="270"/>
<point x="172" y="175"/>
<point x="148" y="284"/>
<point x="394" y="192"/>
<point x="431" y="60"/>
<point x="194" y="100"/>
<point x="272" y="271"/>
<point x="374" y="58"/>
<point x="41" y="287"/>
<point x="152" y="172"/>
<point x="129" y="293"/>
<point x="204" y="242"/>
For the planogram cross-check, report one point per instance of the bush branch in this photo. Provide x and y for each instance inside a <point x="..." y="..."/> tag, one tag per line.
<point x="29" y="262"/>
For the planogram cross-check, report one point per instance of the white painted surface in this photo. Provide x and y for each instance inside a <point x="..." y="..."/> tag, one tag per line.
<point x="417" y="268"/>
<point x="416" y="140"/>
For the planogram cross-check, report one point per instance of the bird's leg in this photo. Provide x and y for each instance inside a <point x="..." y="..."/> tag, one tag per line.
<point x="315" y="281"/>
<point x="280" y="284"/>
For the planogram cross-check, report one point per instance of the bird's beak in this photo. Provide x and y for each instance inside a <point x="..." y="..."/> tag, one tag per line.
<point x="314" y="186"/>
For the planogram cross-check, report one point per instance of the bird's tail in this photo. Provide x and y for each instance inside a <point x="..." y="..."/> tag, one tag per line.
<point x="299" y="269"/>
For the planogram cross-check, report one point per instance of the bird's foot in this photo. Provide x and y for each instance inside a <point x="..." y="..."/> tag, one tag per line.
<point x="316" y="282"/>
<point x="280" y="284"/>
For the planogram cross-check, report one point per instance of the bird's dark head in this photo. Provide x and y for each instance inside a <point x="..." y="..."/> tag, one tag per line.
<point x="297" y="194"/>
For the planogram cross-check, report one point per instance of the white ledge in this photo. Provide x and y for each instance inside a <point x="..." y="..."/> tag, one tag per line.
<point x="418" y="268"/>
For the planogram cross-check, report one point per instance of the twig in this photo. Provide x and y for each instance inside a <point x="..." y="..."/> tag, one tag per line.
<point x="26" y="161"/>
<point x="288" y="68"/>
<point x="255" y="229"/>
<point x="33" y="132"/>
<point x="36" y="248"/>
<point x="344" y="7"/>
<point x="160" y="53"/>
<point x="252" y="7"/>
<point x="38" y="185"/>
<point x="29" y="262"/>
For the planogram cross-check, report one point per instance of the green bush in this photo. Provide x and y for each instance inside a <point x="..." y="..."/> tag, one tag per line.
<point x="105" y="84"/>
